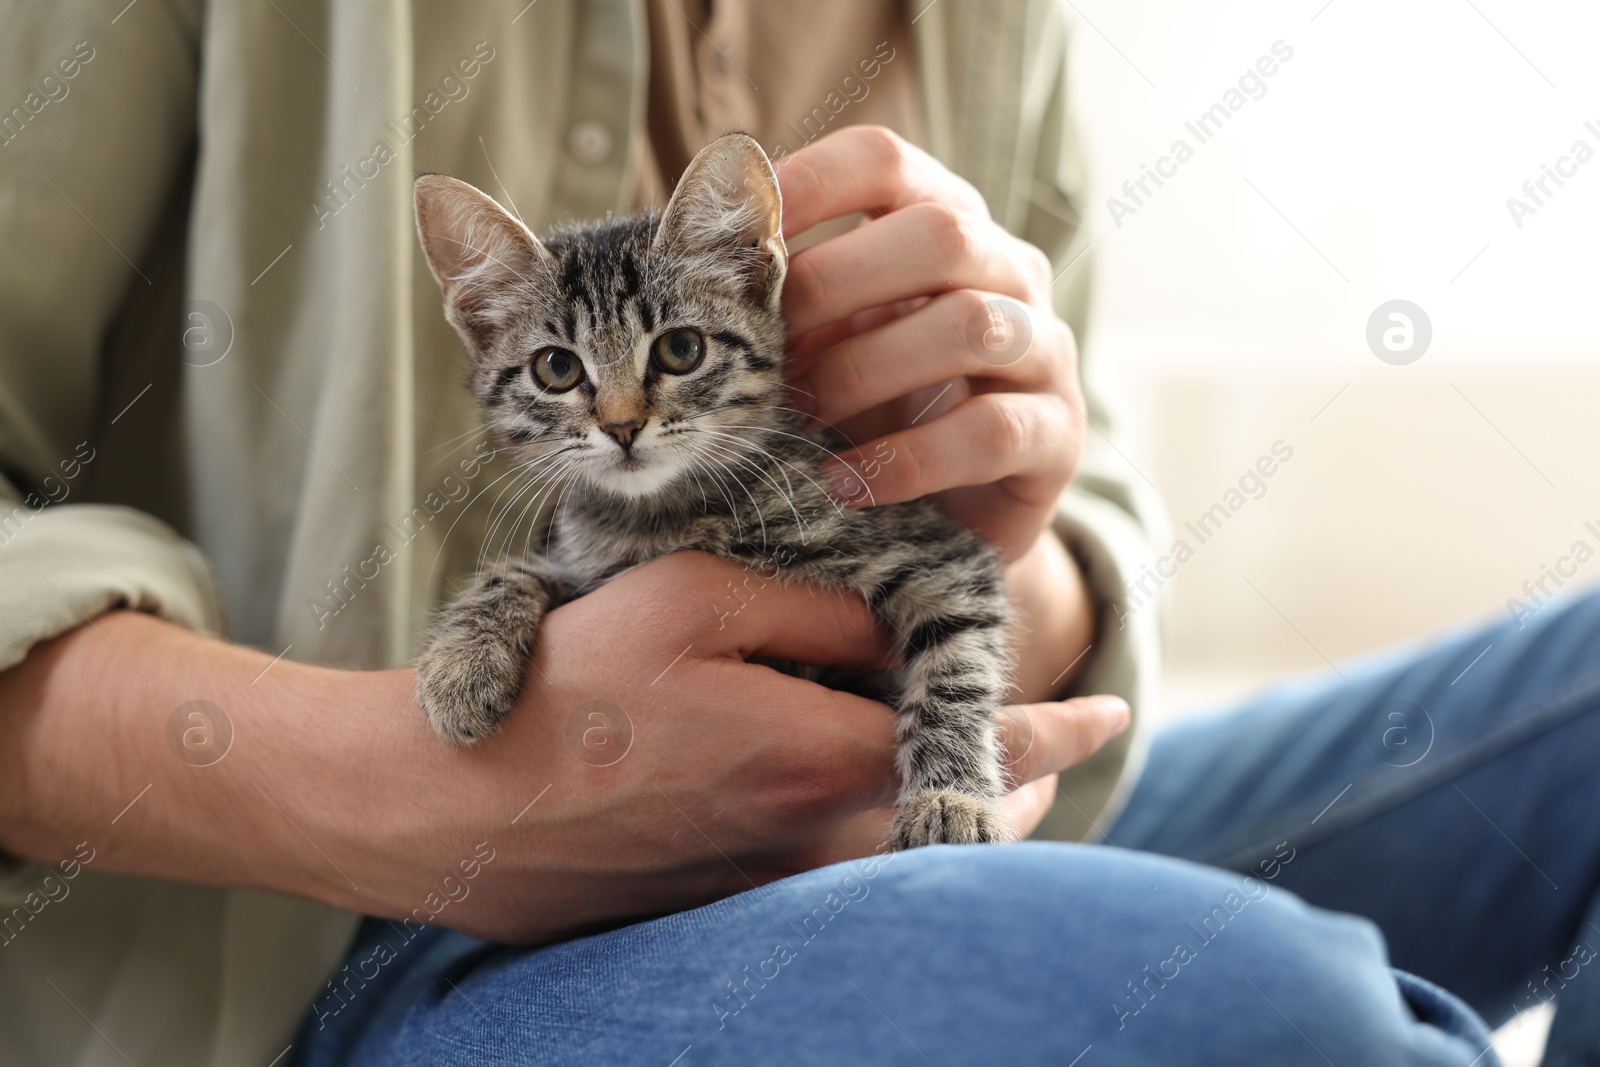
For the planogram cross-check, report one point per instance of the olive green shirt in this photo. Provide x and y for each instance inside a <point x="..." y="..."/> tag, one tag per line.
<point x="225" y="382"/>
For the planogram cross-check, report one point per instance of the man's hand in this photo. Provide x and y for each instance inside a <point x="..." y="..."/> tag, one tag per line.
<point x="926" y="335"/>
<point x="671" y="772"/>
<point x="647" y="767"/>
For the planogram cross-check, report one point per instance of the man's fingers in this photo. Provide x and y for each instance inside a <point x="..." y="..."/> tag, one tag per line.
<point x="1041" y="739"/>
<point x="867" y="169"/>
<point x="733" y="610"/>
<point x="758" y="612"/>
<point x="1038" y="741"/>
<point x="804" y="348"/>
<point x="941" y="340"/>
<point x="1024" y="439"/>
<point x="934" y="248"/>
<point x="1028" y="804"/>
<point x="865" y="832"/>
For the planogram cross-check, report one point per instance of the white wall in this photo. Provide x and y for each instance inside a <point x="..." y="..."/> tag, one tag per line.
<point x="1376" y="165"/>
<point x="1234" y="302"/>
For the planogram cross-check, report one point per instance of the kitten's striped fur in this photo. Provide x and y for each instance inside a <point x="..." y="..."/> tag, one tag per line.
<point x="709" y="460"/>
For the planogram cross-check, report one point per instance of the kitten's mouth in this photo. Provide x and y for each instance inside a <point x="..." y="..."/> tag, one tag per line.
<point x="634" y="472"/>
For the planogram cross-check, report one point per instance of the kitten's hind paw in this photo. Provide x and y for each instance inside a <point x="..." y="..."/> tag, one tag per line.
<point x="468" y="684"/>
<point x="945" y="817"/>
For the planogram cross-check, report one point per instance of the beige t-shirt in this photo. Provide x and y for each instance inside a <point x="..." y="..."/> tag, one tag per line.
<point x="784" y="73"/>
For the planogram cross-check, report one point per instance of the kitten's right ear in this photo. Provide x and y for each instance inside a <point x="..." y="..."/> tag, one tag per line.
<point x="726" y="215"/>
<point x="483" y="258"/>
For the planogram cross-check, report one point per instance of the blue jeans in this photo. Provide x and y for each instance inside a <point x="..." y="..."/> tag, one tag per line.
<point x="1358" y="869"/>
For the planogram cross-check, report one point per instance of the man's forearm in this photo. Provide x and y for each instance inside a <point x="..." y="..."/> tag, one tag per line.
<point x="102" y="740"/>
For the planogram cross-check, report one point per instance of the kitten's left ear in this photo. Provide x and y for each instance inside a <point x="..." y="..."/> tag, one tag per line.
<point x="727" y="213"/>
<point x="483" y="258"/>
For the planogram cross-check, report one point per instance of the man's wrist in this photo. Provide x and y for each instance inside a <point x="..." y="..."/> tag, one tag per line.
<point x="1055" y="621"/>
<point x="384" y="792"/>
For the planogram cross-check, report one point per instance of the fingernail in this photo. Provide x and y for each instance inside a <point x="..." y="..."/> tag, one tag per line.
<point x="1115" y="710"/>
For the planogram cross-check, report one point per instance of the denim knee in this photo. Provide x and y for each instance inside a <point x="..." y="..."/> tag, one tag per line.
<point x="1034" y="952"/>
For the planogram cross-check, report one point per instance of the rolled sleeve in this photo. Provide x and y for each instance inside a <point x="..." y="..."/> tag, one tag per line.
<point x="63" y="565"/>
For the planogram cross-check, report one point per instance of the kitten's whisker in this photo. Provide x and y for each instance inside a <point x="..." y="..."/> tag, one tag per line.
<point x="545" y="477"/>
<point x="789" y="486"/>
<point x="533" y="525"/>
<point x="486" y="549"/>
<point x="704" y="463"/>
<point x="765" y="453"/>
<point x="515" y="475"/>
<point x="788" y="497"/>
<point x="694" y="468"/>
<point x="535" y="469"/>
<point x="728" y="453"/>
<point x="829" y="451"/>
<point x="555" y="514"/>
<point x="774" y="407"/>
<point x="798" y="469"/>
<point x="540" y="485"/>
<point x="698" y="483"/>
<point x="722" y="487"/>
<point x="812" y="418"/>
<point x="446" y="538"/>
<point x="478" y="432"/>
<point x="497" y="513"/>
<point x="798" y="437"/>
<point x="769" y="429"/>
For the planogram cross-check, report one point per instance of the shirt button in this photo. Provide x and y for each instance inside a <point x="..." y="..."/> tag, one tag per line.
<point x="589" y="142"/>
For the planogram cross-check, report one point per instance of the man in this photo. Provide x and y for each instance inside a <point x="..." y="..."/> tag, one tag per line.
<point x="215" y="290"/>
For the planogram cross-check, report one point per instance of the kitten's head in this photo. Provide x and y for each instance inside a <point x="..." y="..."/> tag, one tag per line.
<point x="637" y="347"/>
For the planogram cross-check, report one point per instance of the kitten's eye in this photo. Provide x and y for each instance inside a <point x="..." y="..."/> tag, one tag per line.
<point x="679" y="351"/>
<point x="557" y="369"/>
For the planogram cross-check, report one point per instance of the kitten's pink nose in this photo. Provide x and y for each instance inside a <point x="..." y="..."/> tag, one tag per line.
<point x="624" y="432"/>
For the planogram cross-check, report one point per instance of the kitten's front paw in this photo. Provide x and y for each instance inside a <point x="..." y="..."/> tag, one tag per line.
<point x="467" y="683"/>
<point x="945" y="817"/>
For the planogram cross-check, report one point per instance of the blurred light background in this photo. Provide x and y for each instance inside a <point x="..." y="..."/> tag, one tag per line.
<point x="1374" y="164"/>
<point x="1233" y="307"/>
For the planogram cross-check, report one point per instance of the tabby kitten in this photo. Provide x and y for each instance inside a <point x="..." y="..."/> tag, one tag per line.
<point x="647" y="352"/>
